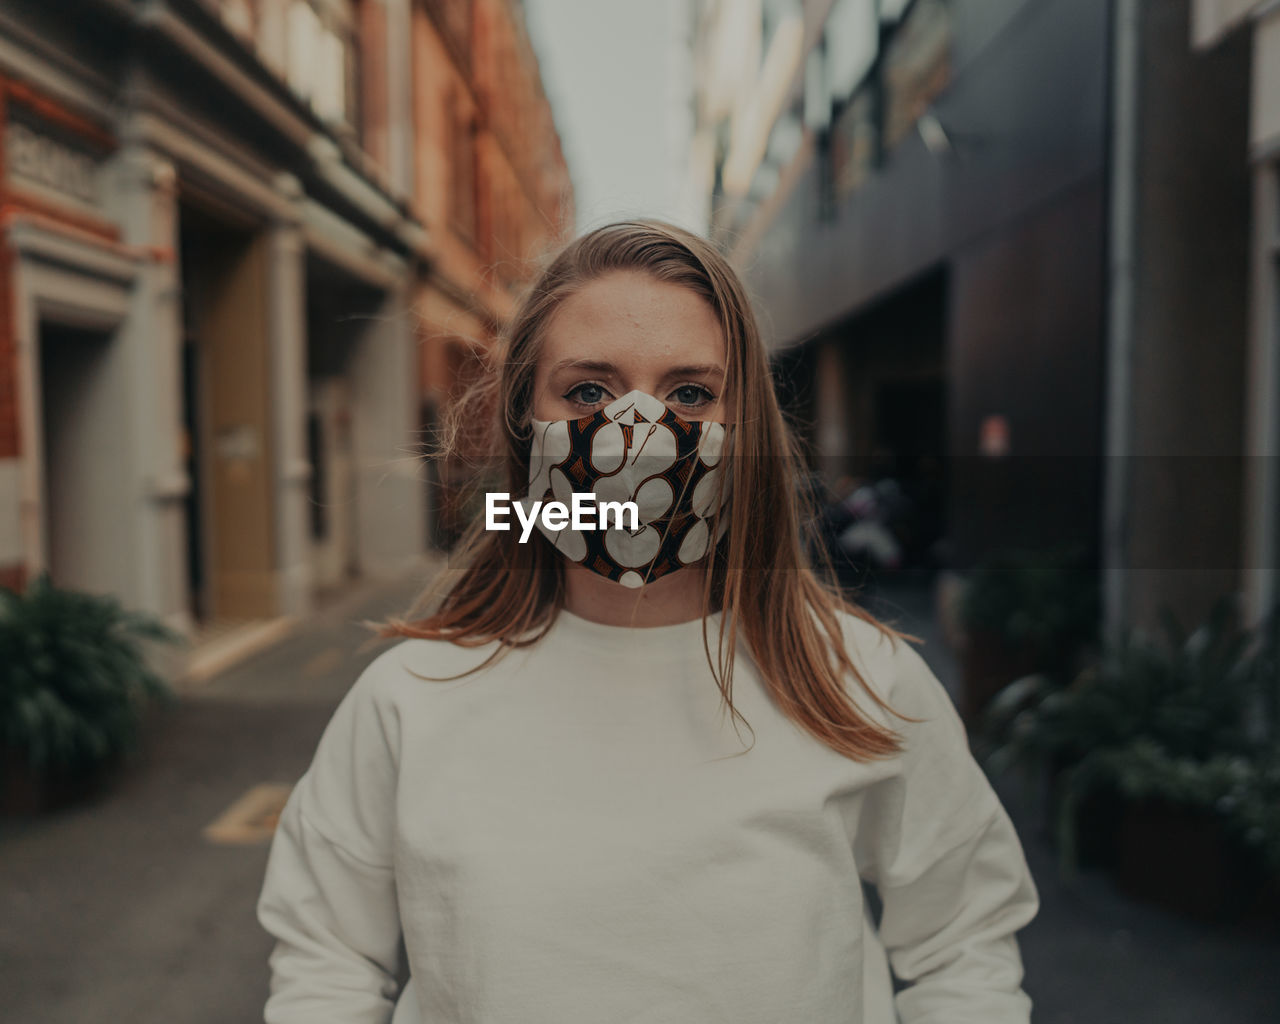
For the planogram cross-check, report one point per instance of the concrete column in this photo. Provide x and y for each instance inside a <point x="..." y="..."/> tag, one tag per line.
<point x="1262" y="409"/>
<point x="142" y="198"/>
<point x="286" y="316"/>
<point x="390" y="488"/>
<point x="1262" y="430"/>
<point x="1121" y="269"/>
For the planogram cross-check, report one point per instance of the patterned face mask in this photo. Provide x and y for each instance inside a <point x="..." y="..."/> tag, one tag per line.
<point x="634" y="449"/>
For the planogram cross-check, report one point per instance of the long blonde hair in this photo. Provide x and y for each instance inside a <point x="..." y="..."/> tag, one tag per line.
<point x="760" y="580"/>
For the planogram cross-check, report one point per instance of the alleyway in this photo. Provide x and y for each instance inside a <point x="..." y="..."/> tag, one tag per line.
<point x="124" y="911"/>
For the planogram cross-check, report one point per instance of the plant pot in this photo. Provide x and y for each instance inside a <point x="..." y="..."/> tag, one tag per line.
<point x="1097" y="822"/>
<point x="988" y="665"/>
<point x="25" y="792"/>
<point x="1181" y="858"/>
<point x="1264" y="909"/>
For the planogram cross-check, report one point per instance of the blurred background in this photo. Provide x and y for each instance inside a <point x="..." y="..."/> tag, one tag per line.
<point x="1017" y="266"/>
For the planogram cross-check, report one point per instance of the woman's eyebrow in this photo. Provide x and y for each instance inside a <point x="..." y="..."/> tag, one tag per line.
<point x="695" y="371"/>
<point x="594" y="366"/>
<point x="607" y="369"/>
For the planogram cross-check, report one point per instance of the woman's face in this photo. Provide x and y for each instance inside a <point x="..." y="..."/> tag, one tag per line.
<point x="628" y="331"/>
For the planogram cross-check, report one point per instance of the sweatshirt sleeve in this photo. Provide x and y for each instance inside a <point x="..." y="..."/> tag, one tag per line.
<point x="943" y="855"/>
<point x="329" y="894"/>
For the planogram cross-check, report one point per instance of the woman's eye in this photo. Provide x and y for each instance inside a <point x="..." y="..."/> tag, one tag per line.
<point x="587" y="394"/>
<point x="692" y="395"/>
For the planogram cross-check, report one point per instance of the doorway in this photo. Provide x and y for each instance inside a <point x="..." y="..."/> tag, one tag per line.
<point x="227" y="419"/>
<point x="343" y="325"/>
<point x="84" y="434"/>
<point x="333" y="482"/>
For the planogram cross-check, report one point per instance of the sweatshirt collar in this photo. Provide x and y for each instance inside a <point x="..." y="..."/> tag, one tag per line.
<point x="677" y="639"/>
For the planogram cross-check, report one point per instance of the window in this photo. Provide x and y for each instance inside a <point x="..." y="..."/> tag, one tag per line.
<point x="854" y="142"/>
<point x="304" y="30"/>
<point x="462" y="165"/>
<point x="917" y="68"/>
<point x="321" y="61"/>
<point x="238" y="16"/>
<point x="852" y="41"/>
<point x="455" y="18"/>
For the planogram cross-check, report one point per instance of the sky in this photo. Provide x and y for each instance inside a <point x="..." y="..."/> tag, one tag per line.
<point x="617" y="75"/>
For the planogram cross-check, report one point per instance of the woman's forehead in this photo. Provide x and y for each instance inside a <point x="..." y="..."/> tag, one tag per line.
<point x="632" y="318"/>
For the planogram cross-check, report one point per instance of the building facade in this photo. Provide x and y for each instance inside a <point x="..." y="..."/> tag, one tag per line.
<point x="1009" y="237"/>
<point x="1232" y="23"/>
<point x="493" y="190"/>
<point x="227" y="259"/>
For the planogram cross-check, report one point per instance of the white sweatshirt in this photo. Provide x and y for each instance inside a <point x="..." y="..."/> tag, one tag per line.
<point x="565" y="838"/>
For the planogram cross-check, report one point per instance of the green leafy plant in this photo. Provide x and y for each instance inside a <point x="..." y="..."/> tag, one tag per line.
<point x="74" y="678"/>
<point x="1242" y="791"/>
<point x="1253" y="809"/>
<point x="1189" y="722"/>
<point x="1044" y="602"/>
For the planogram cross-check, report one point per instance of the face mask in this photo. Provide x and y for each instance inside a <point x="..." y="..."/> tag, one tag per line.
<point x="634" y="449"/>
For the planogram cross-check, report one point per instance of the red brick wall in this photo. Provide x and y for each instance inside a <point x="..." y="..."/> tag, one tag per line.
<point x="10" y="440"/>
<point x="13" y="577"/>
<point x="8" y="352"/>
<point x="522" y="191"/>
<point x="15" y="201"/>
<point x="472" y="64"/>
<point x="373" y="84"/>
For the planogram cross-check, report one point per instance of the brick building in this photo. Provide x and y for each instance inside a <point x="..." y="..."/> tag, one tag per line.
<point x="247" y="249"/>
<point x="491" y="187"/>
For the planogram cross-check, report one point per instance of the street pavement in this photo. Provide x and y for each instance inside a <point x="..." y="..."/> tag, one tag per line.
<point x="1092" y="955"/>
<point x="123" y="910"/>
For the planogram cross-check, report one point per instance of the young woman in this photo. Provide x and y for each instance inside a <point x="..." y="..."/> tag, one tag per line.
<point x="533" y="806"/>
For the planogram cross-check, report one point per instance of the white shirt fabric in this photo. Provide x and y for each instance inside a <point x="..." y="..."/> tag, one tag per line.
<point x="564" y="837"/>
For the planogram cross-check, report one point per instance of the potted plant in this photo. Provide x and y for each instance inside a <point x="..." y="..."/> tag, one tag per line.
<point x="1023" y="612"/>
<point x="75" y="686"/>
<point x="1211" y="820"/>
<point x="1177" y="740"/>
<point x="1017" y="735"/>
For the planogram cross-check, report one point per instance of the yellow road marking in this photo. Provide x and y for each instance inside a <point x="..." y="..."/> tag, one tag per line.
<point x="324" y="662"/>
<point x="252" y="818"/>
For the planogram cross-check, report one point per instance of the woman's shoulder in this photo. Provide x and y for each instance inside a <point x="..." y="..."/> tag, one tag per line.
<point x="918" y="707"/>
<point x="891" y="665"/>
<point x="411" y="663"/>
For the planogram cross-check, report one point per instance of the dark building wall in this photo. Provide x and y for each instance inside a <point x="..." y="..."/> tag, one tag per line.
<point x="1027" y="343"/>
<point x="1014" y="215"/>
<point x="1026" y="110"/>
<point x="886" y="359"/>
<point x="1190" y="325"/>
